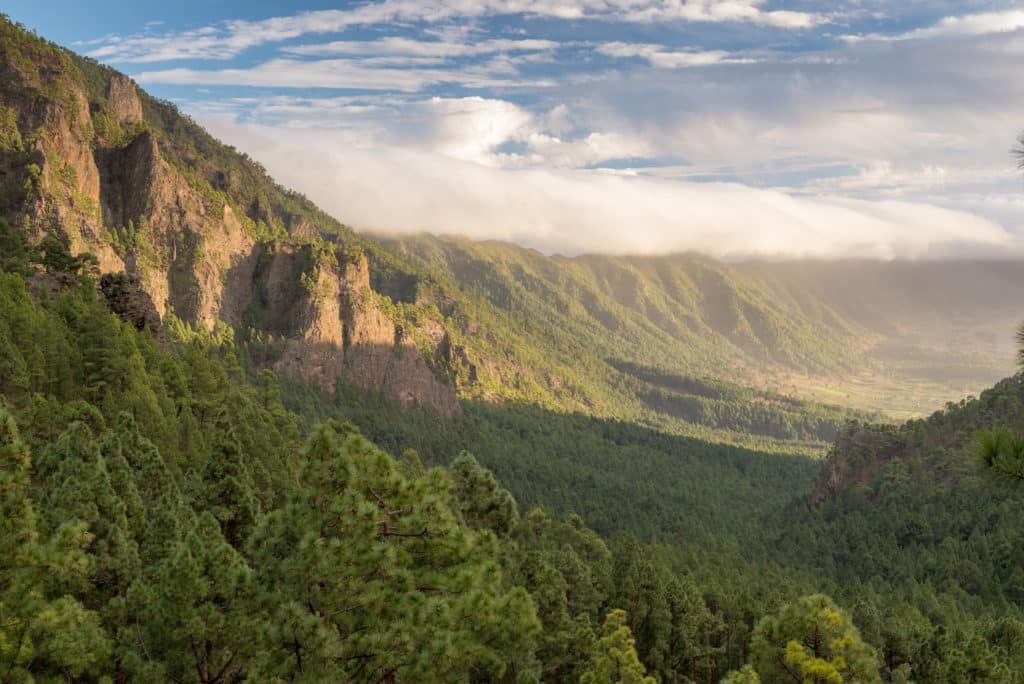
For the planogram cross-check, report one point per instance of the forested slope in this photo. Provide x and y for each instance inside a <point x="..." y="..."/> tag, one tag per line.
<point x="885" y="335"/>
<point x="165" y="514"/>
<point x="201" y="231"/>
<point x="90" y="159"/>
<point x="232" y="436"/>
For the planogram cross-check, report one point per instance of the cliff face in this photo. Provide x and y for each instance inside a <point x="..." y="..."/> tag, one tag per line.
<point x="336" y="328"/>
<point x="86" y="158"/>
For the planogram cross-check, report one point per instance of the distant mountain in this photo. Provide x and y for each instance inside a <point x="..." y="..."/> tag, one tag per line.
<point x="203" y="234"/>
<point x="885" y="335"/>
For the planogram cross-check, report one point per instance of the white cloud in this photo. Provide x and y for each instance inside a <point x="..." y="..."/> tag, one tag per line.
<point x="723" y="11"/>
<point x="419" y="48"/>
<point x="231" y="38"/>
<point x="877" y="147"/>
<point x="979" y="24"/>
<point x="384" y="74"/>
<point x="392" y="189"/>
<point x="466" y="128"/>
<point x="659" y="56"/>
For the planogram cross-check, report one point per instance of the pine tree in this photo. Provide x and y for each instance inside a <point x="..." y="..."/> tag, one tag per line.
<point x="745" y="675"/>
<point x="615" y="660"/>
<point x="42" y="634"/>
<point x="228" y="491"/>
<point x="481" y="501"/>
<point x="194" y="614"/>
<point x="812" y="640"/>
<point x="369" y="576"/>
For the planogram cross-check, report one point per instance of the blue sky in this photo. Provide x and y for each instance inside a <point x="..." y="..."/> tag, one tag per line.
<point x="736" y="127"/>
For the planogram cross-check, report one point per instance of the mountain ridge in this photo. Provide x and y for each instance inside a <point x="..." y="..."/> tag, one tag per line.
<point x="90" y="158"/>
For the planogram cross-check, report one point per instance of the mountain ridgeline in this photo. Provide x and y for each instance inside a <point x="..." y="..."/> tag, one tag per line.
<point x="90" y="159"/>
<point x="241" y="442"/>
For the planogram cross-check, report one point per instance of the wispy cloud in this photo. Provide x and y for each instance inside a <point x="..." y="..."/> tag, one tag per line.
<point x="979" y="24"/>
<point x="396" y="45"/>
<point x="342" y="74"/>
<point x="231" y="38"/>
<point x="659" y="56"/>
<point x="722" y="11"/>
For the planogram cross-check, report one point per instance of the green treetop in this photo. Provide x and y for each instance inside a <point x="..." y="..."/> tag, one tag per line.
<point x="616" y="661"/>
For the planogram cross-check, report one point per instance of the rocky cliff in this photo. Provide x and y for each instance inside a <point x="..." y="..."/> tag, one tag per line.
<point x="181" y="223"/>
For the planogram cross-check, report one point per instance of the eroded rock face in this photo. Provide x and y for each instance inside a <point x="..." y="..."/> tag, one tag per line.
<point x="123" y="100"/>
<point x="68" y="203"/>
<point x="343" y="333"/>
<point x="165" y="245"/>
<point x="179" y="250"/>
<point x="380" y="354"/>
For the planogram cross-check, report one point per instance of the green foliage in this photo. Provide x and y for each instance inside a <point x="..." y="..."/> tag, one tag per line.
<point x="482" y="504"/>
<point x="811" y="640"/>
<point x="616" y="661"/>
<point x="10" y="135"/>
<point x="1002" y="451"/>
<point x="173" y="526"/>
<point x="42" y="632"/>
<point x="745" y="675"/>
<point x="216" y="545"/>
<point x="375" y="578"/>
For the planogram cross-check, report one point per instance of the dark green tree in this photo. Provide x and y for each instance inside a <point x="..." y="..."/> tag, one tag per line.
<point x="369" y="576"/>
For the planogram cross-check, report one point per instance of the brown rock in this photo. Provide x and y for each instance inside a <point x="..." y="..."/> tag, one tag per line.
<point x="123" y="100"/>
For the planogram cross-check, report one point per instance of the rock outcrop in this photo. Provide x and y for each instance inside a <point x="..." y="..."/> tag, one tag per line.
<point x="336" y="330"/>
<point x="129" y="300"/>
<point x="173" y="242"/>
<point x="123" y="100"/>
<point x="179" y="222"/>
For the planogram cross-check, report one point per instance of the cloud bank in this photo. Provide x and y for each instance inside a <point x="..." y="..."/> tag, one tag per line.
<point x="735" y="127"/>
<point x="402" y="190"/>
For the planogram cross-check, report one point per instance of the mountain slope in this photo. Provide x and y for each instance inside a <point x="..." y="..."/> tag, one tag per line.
<point x="209" y="238"/>
<point x="203" y="232"/>
<point x="91" y="160"/>
<point x="885" y="335"/>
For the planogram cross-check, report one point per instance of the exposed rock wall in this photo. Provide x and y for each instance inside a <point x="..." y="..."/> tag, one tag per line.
<point x="380" y="354"/>
<point x="181" y="251"/>
<point x="165" y="242"/>
<point x="123" y="100"/>
<point x="343" y="333"/>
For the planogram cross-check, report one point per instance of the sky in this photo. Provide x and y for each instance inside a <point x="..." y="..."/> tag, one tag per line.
<point x="739" y="128"/>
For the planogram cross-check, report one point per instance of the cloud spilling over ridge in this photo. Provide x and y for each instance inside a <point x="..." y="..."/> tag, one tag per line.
<point x="400" y="190"/>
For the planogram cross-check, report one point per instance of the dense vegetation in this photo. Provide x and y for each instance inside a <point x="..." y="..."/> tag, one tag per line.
<point x="921" y="332"/>
<point x="172" y="511"/>
<point x="167" y="518"/>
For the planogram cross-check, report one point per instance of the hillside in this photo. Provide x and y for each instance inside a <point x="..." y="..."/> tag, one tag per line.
<point x="234" y="438"/>
<point x="203" y="232"/>
<point x="898" y="336"/>
<point x="160" y="493"/>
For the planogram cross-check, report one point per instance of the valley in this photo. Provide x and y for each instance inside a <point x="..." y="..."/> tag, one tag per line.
<point x="241" y="440"/>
